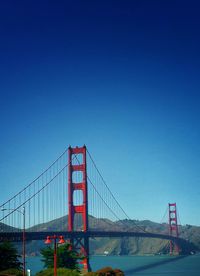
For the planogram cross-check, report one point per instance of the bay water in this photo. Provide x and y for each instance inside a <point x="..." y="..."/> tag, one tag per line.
<point x="137" y="265"/>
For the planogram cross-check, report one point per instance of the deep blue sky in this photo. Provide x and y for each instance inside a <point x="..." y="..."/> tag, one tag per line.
<point x="121" y="77"/>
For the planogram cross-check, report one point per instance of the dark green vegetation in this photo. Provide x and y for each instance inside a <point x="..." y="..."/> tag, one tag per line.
<point x="60" y="272"/>
<point x="11" y="271"/>
<point x="67" y="261"/>
<point x="66" y="257"/>
<point x="106" y="271"/>
<point x="9" y="263"/>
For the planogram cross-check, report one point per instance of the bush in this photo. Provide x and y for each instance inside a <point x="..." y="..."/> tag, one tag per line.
<point x="118" y="272"/>
<point x="108" y="271"/>
<point x="11" y="271"/>
<point x="91" y="274"/>
<point x="60" y="272"/>
<point x="9" y="257"/>
<point x="104" y="270"/>
<point x="66" y="257"/>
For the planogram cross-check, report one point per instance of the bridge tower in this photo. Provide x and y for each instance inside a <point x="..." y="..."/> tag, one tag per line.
<point x="80" y="244"/>
<point x="173" y="227"/>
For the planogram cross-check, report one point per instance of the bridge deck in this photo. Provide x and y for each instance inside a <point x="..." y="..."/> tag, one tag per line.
<point x="17" y="236"/>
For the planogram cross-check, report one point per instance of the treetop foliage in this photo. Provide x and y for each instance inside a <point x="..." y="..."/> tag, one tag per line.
<point x="9" y="256"/>
<point x="66" y="257"/>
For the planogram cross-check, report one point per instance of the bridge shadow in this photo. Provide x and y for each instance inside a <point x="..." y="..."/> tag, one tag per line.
<point x="155" y="264"/>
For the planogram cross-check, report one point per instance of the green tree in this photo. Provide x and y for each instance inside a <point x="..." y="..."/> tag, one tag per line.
<point x="66" y="257"/>
<point x="9" y="257"/>
<point x="60" y="272"/>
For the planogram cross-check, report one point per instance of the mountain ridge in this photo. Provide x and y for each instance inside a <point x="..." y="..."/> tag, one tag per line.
<point x="120" y="246"/>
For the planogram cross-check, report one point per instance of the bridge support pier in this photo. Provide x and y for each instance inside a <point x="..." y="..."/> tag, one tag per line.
<point x="79" y="244"/>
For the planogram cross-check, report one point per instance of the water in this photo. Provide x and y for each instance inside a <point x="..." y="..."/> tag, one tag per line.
<point x="138" y="265"/>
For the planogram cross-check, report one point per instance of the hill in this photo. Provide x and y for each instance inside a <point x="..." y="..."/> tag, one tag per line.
<point x="7" y="228"/>
<point x="121" y="246"/>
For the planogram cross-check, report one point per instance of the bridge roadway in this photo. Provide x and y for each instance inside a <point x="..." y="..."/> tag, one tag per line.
<point x="17" y="236"/>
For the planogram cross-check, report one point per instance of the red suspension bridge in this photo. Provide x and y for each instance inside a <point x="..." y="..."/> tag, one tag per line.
<point x="73" y="179"/>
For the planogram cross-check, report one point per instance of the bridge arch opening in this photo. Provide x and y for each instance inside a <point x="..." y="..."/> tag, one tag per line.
<point x="77" y="177"/>
<point x="77" y="159"/>
<point x="78" y="197"/>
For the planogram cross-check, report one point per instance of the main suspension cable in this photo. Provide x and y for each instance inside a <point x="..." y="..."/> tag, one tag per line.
<point x="33" y="180"/>
<point x="36" y="193"/>
<point x="112" y="193"/>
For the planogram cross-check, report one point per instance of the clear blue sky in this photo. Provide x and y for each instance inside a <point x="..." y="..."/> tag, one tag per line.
<point x="122" y="77"/>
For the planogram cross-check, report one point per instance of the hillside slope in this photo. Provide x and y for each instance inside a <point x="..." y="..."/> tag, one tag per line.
<point x="117" y="246"/>
<point x="121" y="246"/>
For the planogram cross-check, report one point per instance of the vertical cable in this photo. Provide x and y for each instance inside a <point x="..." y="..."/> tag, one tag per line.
<point x="43" y="200"/>
<point x="29" y="205"/>
<point x="34" y="205"/>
